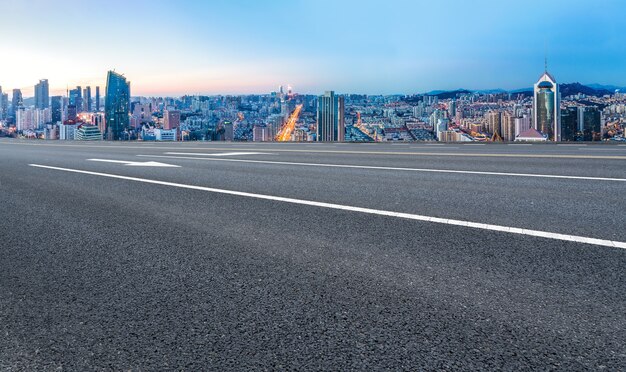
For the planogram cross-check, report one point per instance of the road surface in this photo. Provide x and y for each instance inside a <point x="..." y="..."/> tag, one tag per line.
<point x="155" y="256"/>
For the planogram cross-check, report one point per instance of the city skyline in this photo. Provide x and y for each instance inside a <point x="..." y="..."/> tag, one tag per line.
<point x="172" y="49"/>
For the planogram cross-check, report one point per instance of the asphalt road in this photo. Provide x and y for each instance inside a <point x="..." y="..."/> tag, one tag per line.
<point x="312" y="256"/>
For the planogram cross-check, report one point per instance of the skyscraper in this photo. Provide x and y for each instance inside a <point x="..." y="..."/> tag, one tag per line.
<point x="76" y="99"/>
<point x="330" y="117"/>
<point x="56" y="105"/>
<point x="4" y="106"/>
<point x="116" y="105"/>
<point x="546" y="107"/>
<point x="87" y="99"/>
<point x="98" y="99"/>
<point x="42" y="95"/>
<point x="569" y="123"/>
<point x="16" y="102"/>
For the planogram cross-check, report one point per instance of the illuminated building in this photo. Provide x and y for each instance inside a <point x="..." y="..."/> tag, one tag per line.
<point x="547" y="107"/>
<point x="330" y="118"/>
<point x="116" y="105"/>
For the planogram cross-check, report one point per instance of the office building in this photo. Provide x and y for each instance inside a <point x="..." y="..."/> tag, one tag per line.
<point x="98" y="99"/>
<point x="590" y="123"/>
<point x="547" y="107"/>
<point x="76" y="99"/>
<point x="569" y="123"/>
<point x="4" y="105"/>
<point x="330" y="118"/>
<point x="116" y="105"/>
<point x="16" y="102"/>
<point x="87" y="99"/>
<point x="42" y="94"/>
<point x="56" y="106"/>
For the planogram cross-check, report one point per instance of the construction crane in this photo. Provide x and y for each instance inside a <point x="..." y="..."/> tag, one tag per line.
<point x="287" y="130"/>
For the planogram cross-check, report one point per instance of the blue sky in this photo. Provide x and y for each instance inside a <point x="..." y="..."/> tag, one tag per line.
<point x="240" y="46"/>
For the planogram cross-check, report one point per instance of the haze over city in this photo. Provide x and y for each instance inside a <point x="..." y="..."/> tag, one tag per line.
<point x="236" y="47"/>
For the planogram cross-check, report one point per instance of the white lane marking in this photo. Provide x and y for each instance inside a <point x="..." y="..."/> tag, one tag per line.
<point x="136" y="163"/>
<point x="237" y="153"/>
<point x="442" y="148"/>
<point x="185" y="156"/>
<point x="409" y="216"/>
<point x="600" y="149"/>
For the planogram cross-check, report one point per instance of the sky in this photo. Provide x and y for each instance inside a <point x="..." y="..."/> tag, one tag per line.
<point x="350" y="46"/>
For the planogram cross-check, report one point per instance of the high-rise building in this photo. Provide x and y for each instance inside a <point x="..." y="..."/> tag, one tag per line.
<point x="507" y="127"/>
<point x="76" y="99"/>
<point x="4" y="103"/>
<point x="569" y="123"/>
<point x="590" y="123"/>
<point x="87" y="99"/>
<point x="330" y="117"/>
<point x="16" y="102"/>
<point x="116" y="105"/>
<point x="494" y="122"/>
<point x="4" y="106"/>
<point x="42" y="94"/>
<point x="546" y="107"/>
<point x="56" y="105"/>
<point x="171" y="119"/>
<point x="97" y="99"/>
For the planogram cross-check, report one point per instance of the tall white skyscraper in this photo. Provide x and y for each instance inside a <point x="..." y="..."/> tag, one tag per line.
<point x="547" y="107"/>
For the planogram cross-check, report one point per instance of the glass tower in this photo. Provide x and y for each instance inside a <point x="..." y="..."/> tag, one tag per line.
<point x="547" y="107"/>
<point x="330" y="118"/>
<point x="116" y="106"/>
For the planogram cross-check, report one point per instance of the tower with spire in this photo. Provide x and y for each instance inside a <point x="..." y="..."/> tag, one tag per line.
<point x="547" y="106"/>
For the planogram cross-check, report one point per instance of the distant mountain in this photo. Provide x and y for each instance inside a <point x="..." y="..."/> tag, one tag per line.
<point x="442" y="94"/>
<point x="491" y="91"/>
<point x="566" y="90"/>
<point x="522" y="90"/>
<point x="612" y="88"/>
<point x="578" y="88"/>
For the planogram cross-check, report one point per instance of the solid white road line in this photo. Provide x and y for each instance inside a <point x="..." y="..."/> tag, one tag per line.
<point x="237" y="153"/>
<point x="185" y="156"/>
<point x="409" y="216"/>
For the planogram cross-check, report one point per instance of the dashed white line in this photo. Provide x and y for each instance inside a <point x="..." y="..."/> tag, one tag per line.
<point x="409" y="216"/>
